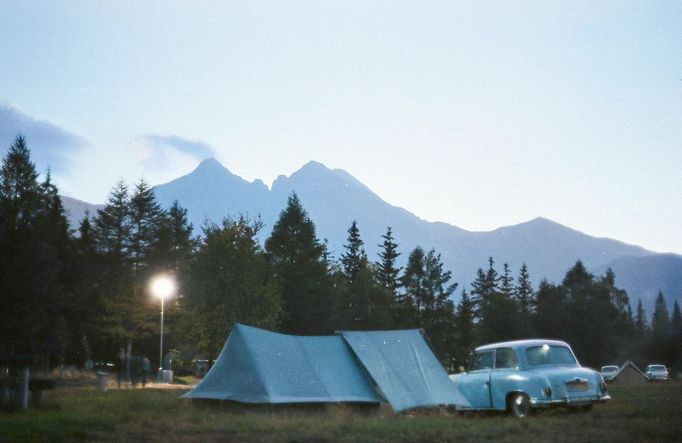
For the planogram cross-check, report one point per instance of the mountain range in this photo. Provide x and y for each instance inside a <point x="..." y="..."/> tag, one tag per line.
<point x="334" y="198"/>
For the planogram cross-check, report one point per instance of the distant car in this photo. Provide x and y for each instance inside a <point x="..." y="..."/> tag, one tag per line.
<point x="520" y="376"/>
<point x="609" y="372"/>
<point x="656" y="372"/>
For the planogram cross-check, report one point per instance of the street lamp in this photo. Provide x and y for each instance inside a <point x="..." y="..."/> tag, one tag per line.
<point x="162" y="286"/>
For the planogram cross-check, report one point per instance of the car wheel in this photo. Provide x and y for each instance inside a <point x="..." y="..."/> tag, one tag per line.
<point x="519" y="405"/>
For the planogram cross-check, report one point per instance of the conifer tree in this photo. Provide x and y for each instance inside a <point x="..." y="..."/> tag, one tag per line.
<point x="354" y="258"/>
<point x="465" y="337"/>
<point x="676" y="322"/>
<point x="438" y="314"/>
<point x="411" y="301"/>
<point x="660" y="321"/>
<point x="387" y="271"/>
<point x="228" y="282"/>
<point x="485" y="288"/>
<point x="524" y="291"/>
<point x="676" y="337"/>
<point x="427" y="300"/>
<point x="88" y="301"/>
<point x="297" y="261"/>
<point x="113" y="226"/>
<point x="507" y="283"/>
<point x="641" y="325"/>
<point x="364" y="303"/>
<point x="145" y="223"/>
<point x="34" y="263"/>
<point x="660" y="331"/>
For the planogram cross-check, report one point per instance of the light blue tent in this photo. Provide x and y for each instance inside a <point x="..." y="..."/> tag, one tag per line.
<point x="257" y="366"/>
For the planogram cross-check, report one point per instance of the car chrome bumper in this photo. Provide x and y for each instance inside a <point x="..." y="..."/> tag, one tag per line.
<point x="569" y="401"/>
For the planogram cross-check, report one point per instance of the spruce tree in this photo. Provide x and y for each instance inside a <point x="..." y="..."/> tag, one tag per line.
<point x="465" y="337"/>
<point x="364" y="303"/>
<point x="676" y="337"/>
<point x="175" y="242"/>
<point x="641" y="325"/>
<point x="660" y="320"/>
<point x="426" y="301"/>
<point x="387" y="271"/>
<point x="113" y="225"/>
<point x="659" y="337"/>
<point x="297" y="261"/>
<point x="507" y="283"/>
<point x="412" y="300"/>
<point x="145" y="223"/>
<point x="498" y="314"/>
<point x="35" y="270"/>
<point x="354" y="258"/>
<point x="120" y="291"/>
<point x="87" y="295"/>
<point x="524" y="290"/>
<point x="438" y="314"/>
<point x="676" y="322"/>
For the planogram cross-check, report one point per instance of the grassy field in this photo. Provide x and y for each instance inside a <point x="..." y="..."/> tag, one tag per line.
<point x="651" y="412"/>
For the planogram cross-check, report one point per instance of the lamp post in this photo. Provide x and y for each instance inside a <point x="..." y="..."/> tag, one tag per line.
<point x="162" y="286"/>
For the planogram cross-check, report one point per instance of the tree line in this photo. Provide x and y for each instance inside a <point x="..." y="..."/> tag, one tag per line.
<point x="71" y="295"/>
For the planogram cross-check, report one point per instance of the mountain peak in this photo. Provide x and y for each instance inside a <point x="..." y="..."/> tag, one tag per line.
<point x="210" y="164"/>
<point x="314" y="166"/>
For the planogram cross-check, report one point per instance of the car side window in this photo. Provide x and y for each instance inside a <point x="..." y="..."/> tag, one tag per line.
<point x="482" y="360"/>
<point x="505" y="358"/>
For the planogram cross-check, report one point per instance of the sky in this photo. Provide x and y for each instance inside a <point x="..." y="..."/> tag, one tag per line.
<point x="477" y="113"/>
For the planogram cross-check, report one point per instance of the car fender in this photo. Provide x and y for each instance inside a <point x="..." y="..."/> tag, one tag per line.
<point x="504" y="383"/>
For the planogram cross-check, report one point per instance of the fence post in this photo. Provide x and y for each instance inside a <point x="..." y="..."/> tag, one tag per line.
<point x="22" y="391"/>
<point x="5" y="390"/>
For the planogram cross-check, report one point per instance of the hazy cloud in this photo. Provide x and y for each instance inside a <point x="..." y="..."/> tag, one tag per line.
<point x="195" y="149"/>
<point x="50" y="145"/>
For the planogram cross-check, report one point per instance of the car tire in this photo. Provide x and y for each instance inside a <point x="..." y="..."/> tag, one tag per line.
<point x="519" y="405"/>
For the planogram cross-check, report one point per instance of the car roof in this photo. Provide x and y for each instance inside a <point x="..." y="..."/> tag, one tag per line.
<point x="522" y="344"/>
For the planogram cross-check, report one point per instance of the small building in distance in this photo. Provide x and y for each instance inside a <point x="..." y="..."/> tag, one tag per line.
<point x="629" y="374"/>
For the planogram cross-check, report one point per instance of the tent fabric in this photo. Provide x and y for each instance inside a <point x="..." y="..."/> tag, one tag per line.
<point x="257" y="366"/>
<point x="403" y="366"/>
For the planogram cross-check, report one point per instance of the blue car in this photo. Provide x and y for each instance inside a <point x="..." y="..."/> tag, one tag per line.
<point x="520" y="376"/>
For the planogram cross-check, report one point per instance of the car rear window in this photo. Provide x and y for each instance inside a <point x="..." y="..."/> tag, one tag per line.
<point x="481" y="360"/>
<point x="550" y="355"/>
<point x="505" y="358"/>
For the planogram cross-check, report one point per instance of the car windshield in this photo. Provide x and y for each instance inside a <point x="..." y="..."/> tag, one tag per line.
<point x="550" y="355"/>
<point x="657" y="368"/>
<point x="609" y="369"/>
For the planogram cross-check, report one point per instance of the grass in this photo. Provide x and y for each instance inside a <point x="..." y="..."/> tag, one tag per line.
<point x="650" y="412"/>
